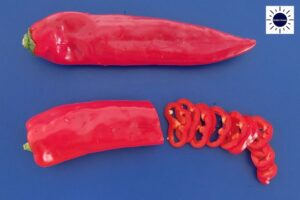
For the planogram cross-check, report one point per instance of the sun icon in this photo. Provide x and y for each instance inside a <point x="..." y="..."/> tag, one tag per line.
<point x="280" y="19"/>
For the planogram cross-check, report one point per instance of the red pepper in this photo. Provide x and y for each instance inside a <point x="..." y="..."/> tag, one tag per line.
<point x="69" y="131"/>
<point x="74" y="38"/>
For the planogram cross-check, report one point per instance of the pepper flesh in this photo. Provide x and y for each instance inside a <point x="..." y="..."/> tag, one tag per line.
<point x="74" y="38"/>
<point x="69" y="131"/>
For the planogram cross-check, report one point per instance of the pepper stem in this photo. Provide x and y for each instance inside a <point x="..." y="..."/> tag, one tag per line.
<point x="26" y="147"/>
<point x="27" y="42"/>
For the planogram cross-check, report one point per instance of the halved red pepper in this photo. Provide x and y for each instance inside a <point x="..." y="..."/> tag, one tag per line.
<point x="74" y="38"/>
<point x="69" y="131"/>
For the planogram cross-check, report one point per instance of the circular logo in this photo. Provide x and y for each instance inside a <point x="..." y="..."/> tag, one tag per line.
<point x="280" y="19"/>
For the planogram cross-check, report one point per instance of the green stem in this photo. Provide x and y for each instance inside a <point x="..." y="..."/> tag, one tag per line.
<point x="27" y="42"/>
<point x="26" y="147"/>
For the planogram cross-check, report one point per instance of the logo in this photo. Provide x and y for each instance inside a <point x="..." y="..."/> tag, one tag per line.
<point x="280" y="20"/>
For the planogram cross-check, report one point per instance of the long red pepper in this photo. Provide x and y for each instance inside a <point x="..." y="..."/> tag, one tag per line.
<point x="83" y="39"/>
<point x="69" y="131"/>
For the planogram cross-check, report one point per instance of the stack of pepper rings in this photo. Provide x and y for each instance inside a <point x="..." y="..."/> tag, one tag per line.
<point x="197" y="124"/>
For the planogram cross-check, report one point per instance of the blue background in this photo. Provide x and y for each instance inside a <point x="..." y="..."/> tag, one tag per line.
<point x="265" y="81"/>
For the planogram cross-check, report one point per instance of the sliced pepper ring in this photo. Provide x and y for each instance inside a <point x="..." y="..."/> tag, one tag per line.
<point x="266" y="174"/>
<point x="173" y="133"/>
<point x="265" y="133"/>
<point x="194" y="116"/>
<point x="263" y="157"/>
<point x="237" y="130"/>
<point x="185" y="119"/>
<point x="179" y="123"/>
<point x="246" y="137"/>
<point x="222" y="132"/>
<point x="206" y="123"/>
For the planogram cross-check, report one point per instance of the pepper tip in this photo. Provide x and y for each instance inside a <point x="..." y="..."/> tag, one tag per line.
<point x="252" y="42"/>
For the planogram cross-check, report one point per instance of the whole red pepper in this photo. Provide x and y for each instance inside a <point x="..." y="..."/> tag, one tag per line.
<point x="69" y="131"/>
<point x="84" y="39"/>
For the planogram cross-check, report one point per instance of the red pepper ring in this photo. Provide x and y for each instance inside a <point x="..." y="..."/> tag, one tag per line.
<point x="199" y="143"/>
<point x="194" y="125"/>
<point x="185" y="120"/>
<point x="237" y="129"/>
<point x="222" y="132"/>
<point x="173" y="114"/>
<point x="182" y="115"/>
<point x="265" y="175"/>
<point x="195" y="116"/>
<point x="170" y="111"/>
<point x="186" y="104"/>
<point x="265" y="133"/>
<point x="246" y="137"/>
<point x="263" y="157"/>
<point x="207" y="123"/>
<point x="170" y="114"/>
<point x="253" y="128"/>
<point x="172" y="132"/>
<point x="208" y="117"/>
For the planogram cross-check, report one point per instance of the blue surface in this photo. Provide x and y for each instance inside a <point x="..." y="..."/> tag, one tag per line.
<point x="264" y="81"/>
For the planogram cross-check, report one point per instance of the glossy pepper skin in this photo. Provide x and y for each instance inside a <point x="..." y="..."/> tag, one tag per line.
<point x="69" y="131"/>
<point x="74" y="38"/>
